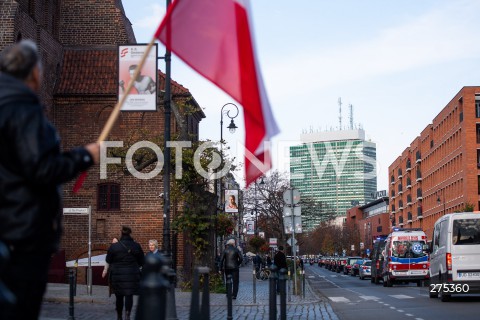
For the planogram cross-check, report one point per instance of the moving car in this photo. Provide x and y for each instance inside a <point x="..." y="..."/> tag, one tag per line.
<point x="348" y="267"/>
<point x="405" y="257"/>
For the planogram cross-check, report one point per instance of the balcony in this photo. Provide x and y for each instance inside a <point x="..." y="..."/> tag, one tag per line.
<point x="419" y="194"/>
<point x="400" y="175"/>
<point x="419" y="213"/>
<point x="392" y="179"/>
<point x="419" y="175"/>
<point x="418" y="157"/>
<point x="400" y="221"/>
<point x="409" y="166"/>
<point x="409" y="200"/>
<point x="400" y="205"/>
<point x="393" y="208"/>
<point x="409" y="217"/>
<point x="400" y="189"/>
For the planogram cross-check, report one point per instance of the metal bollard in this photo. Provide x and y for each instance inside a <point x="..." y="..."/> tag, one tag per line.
<point x="283" y="298"/>
<point x="229" y="297"/>
<point x="153" y="289"/>
<point x="272" y="314"/>
<point x="303" y="283"/>
<point x="203" y="313"/>
<point x="71" y="308"/>
<point x="254" y="285"/>
<point x="171" y="304"/>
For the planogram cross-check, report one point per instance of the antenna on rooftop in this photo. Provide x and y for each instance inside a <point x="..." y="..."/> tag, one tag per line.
<point x="351" y="116"/>
<point x="340" y="112"/>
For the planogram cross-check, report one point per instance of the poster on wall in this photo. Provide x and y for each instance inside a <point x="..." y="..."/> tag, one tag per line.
<point x="143" y="96"/>
<point x="231" y="201"/>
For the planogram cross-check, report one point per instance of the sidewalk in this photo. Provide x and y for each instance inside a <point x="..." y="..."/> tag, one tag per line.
<point x="100" y="306"/>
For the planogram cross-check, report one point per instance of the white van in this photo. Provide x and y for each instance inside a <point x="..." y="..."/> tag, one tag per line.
<point x="455" y="255"/>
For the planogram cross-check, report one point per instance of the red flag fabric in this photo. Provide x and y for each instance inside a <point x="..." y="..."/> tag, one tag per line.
<point x="214" y="38"/>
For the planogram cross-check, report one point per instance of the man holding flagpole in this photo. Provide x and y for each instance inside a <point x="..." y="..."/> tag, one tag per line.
<point x="32" y="169"/>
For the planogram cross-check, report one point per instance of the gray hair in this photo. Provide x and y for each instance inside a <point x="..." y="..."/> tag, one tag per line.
<point x="231" y="241"/>
<point x="19" y="59"/>
<point x="154" y="242"/>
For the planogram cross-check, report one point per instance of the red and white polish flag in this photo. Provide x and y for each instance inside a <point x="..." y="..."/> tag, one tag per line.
<point x="214" y="37"/>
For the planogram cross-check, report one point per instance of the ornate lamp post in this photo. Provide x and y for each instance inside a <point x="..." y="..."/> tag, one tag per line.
<point x="439" y="201"/>
<point x="230" y="107"/>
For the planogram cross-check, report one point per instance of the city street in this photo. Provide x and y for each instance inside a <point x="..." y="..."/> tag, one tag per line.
<point x="352" y="298"/>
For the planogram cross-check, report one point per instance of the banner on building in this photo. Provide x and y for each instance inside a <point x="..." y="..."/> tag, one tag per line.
<point x="231" y="201"/>
<point x="143" y="96"/>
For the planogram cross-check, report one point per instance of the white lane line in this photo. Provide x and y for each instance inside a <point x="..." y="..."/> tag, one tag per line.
<point x="339" y="299"/>
<point x="401" y="296"/>
<point x="369" y="298"/>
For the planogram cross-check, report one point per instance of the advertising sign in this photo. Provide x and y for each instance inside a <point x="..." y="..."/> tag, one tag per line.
<point x="231" y="201"/>
<point x="143" y="96"/>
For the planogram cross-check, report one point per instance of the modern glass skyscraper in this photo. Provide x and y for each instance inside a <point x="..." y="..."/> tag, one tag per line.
<point x="336" y="169"/>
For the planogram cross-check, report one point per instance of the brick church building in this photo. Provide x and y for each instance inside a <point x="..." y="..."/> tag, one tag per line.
<point x="78" y="42"/>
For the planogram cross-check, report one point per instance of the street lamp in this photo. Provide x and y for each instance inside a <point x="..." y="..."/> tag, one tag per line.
<point x="256" y="211"/>
<point x="231" y="107"/>
<point x="439" y="201"/>
<point x="231" y="127"/>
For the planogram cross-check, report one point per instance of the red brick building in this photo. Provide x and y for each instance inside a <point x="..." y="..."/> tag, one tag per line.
<point x="439" y="172"/>
<point x="371" y="220"/>
<point x="79" y="41"/>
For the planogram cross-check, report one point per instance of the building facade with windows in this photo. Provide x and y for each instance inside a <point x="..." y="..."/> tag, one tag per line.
<point x="336" y="170"/>
<point x="439" y="172"/>
<point x="79" y="52"/>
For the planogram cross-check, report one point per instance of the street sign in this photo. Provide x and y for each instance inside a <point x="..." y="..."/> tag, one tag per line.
<point x="291" y="196"/>
<point x="292" y="242"/>
<point x="287" y="211"/>
<point x="288" y="223"/>
<point x="76" y="211"/>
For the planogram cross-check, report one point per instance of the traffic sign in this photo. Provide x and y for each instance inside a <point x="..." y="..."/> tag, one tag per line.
<point x="291" y="196"/>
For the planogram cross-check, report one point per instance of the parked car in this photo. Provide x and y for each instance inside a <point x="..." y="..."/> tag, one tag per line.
<point x="356" y="267"/>
<point x="348" y="266"/>
<point x="341" y="262"/>
<point x="455" y="255"/>
<point x="377" y="260"/>
<point x="365" y="270"/>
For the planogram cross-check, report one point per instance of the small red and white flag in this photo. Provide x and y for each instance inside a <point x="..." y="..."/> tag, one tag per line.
<point x="214" y="38"/>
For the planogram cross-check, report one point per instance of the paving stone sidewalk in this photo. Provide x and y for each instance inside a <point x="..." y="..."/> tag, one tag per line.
<point x="247" y="306"/>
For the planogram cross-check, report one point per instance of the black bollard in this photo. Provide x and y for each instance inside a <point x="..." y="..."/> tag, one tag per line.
<point x="283" y="293"/>
<point x="303" y="283"/>
<point x="205" y="310"/>
<point x="171" y="304"/>
<point x="203" y="313"/>
<point x="71" y="308"/>
<point x="273" y="293"/>
<point x="229" y="297"/>
<point x="153" y="289"/>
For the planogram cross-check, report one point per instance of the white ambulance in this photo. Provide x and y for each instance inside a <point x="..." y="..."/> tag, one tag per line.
<point x="405" y="257"/>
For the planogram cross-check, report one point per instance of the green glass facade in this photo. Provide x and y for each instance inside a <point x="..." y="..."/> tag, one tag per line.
<point x="339" y="174"/>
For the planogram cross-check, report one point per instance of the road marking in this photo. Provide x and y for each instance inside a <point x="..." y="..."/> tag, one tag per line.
<point x="369" y="297"/>
<point x="401" y="296"/>
<point x="339" y="299"/>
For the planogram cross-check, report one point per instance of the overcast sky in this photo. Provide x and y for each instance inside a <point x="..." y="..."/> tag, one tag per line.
<point x="397" y="62"/>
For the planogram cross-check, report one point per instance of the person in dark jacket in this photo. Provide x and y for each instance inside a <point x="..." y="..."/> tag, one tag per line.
<point x="32" y="169"/>
<point x="230" y="262"/>
<point x="125" y="259"/>
<point x="280" y="261"/>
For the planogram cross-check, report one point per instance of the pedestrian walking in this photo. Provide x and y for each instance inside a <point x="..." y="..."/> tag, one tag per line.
<point x="32" y="170"/>
<point x="153" y="247"/>
<point x="125" y="258"/>
<point x="230" y="262"/>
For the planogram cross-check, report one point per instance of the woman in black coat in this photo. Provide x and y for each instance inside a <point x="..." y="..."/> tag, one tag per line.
<point x="125" y="259"/>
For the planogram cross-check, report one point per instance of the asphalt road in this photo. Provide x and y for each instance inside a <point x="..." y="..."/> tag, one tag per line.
<point x="352" y="298"/>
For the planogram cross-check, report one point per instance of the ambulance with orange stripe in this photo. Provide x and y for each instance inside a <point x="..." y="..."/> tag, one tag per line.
<point x="405" y="257"/>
